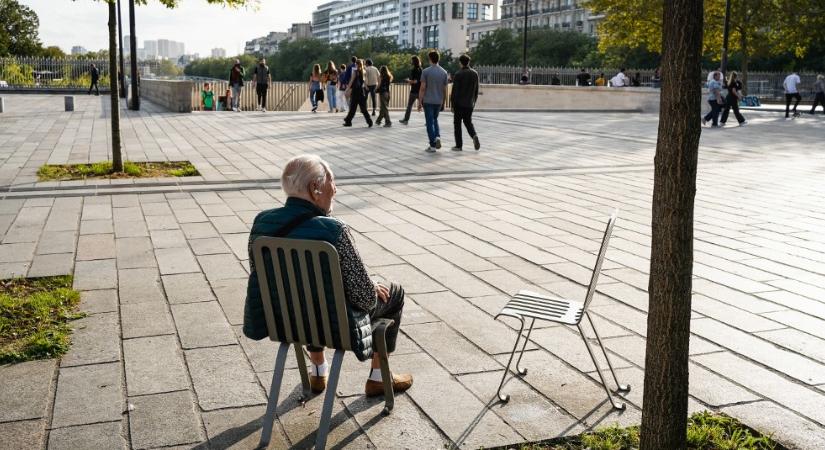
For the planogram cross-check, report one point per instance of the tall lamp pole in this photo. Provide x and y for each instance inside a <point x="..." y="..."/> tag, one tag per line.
<point x="133" y="58"/>
<point x="524" y="43"/>
<point x="725" y="35"/>
<point x="122" y="74"/>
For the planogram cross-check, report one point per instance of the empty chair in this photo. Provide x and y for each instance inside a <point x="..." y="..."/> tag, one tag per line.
<point x="530" y="305"/>
<point x="303" y="279"/>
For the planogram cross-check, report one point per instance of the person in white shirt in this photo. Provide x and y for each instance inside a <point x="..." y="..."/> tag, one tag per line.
<point x="373" y="77"/>
<point x="710" y="74"/>
<point x="791" y="92"/>
<point x="620" y="80"/>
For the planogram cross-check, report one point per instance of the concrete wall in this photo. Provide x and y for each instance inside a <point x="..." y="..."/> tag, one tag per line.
<point x="567" y="98"/>
<point x="175" y="96"/>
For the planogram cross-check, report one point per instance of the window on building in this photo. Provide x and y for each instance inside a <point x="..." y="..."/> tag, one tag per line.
<point x="487" y="12"/>
<point x="431" y="36"/>
<point x="443" y="13"/>
<point x="458" y="10"/>
<point x="472" y="11"/>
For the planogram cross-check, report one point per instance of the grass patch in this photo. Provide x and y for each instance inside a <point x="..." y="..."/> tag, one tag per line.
<point x="64" y="172"/>
<point x="706" y="431"/>
<point x="34" y="316"/>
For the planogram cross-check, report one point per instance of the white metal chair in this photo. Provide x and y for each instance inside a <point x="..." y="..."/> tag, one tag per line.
<point x="298" y="272"/>
<point x="533" y="306"/>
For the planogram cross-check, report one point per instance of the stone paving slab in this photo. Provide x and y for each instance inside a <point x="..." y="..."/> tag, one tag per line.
<point x="99" y="435"/>
<point x="461" y="233"/>
<point x="164" y="419"/>
<point x="88" y="394"/>
<point x="95" y="339"/>
<point x="26" y="390"/>
<point x="23" y="434"/>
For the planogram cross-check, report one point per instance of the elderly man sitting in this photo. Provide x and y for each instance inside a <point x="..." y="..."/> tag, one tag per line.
<point x="310" y="187"/>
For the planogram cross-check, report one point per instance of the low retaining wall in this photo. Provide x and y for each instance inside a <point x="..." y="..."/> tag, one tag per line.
<point x="175" y="96"/>
<point x="567" y="98"/>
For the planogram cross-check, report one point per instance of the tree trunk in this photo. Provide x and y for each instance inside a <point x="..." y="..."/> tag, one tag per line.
<point x="664" y="415"/>
<point x="117" y="162"/>
<point x="745" y="60"/>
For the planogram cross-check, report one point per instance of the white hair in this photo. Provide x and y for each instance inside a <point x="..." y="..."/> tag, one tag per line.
<point x="301" y="171"/>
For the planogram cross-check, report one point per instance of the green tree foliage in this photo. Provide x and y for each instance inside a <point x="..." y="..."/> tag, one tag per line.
<point x="218" y="67"/>
<point x="545" y="47"/>
<point x="52" y="51"/>
<point x="18" y="29"/>
<point x="167" y="68"/>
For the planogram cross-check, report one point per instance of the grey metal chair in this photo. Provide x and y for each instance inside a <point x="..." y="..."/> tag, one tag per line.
<point x="533" y="306"/>
<point x="301" y="289"/>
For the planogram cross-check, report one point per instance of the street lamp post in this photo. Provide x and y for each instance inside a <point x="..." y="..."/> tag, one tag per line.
<point x="725" y="35"/>
<point x="133" y="57"/>
<point x="121" y="74"/>
<point x="524" y="43"/>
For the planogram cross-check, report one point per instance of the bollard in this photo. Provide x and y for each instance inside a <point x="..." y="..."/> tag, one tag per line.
<point x="2" y="104"/>
<point x="69" y="102"/>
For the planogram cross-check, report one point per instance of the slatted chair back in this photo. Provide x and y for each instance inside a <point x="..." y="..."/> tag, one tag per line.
<point x="295" y="276"/>
<point x="594" y="277"/>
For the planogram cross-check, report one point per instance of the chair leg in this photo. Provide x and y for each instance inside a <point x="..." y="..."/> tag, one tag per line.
<point x="381" y="342"/>
<point x="302" y="369"/>
<point x="619" y="406"/>
<point x="274" y="391"/>
<point x="329" y="398"/>
<point x="621" y="387"/>
<point x="523" y="371"/>
<point x="506" y="398"/>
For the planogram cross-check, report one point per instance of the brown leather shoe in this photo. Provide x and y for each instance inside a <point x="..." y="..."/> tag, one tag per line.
<point x="317" y="384"/>
<point x="400" y="383"/>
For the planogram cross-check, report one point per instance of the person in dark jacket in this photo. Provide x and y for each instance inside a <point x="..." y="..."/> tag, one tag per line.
<point x="415" y="85"/>
<point x="309" y="185"/>
<point x="357" y="94"/>
<point x="95" y="79"/>
<point x="463" y="99"/>
<point x="236" y="76"/>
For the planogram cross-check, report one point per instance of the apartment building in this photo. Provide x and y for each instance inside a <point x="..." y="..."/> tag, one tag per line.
<point x="320" y="20"/>
<point x="350" y="19"/>
<point x="477" y="30"/>
<point x="444" y="25"/>
<point x="265" y="45"/>
<point x="299" y="31"/>
<point x="569" y="15"/>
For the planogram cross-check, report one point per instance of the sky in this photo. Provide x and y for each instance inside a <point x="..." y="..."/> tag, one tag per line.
<point x="199" y="25"/>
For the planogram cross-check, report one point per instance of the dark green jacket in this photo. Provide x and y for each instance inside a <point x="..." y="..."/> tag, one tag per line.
<point x="323" y="228"/>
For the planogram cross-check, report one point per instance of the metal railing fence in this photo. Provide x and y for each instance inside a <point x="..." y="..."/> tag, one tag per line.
<point x="281" y="96"/>
<point x="46" y="73"/>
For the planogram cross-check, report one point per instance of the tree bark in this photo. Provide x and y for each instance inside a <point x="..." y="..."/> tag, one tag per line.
<point x="117" y="162"/>
<point x="745" y="60"/>
<point x="664" y="415"/>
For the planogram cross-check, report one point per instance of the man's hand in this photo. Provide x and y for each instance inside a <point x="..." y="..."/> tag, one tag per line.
<point x="382" y="292"/>
<point x="420" y="107"/>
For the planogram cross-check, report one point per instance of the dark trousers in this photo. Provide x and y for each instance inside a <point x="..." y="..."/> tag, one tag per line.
<point x="462" y="115"/>
<point x="732" y="102"/>
<point x="261" y="89"/>
<point x="94" y="85"/>
<point x="393" y="309"/>
<point x="788" y="98"/>
<point x="820" y="99"/>
<point x="714" y="112"/>
<point x="410" y="103"/>
<point x="357" y="101"/>
<point x="372" y="96"/>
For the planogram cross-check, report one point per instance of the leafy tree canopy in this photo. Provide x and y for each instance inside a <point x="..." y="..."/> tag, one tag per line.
<point x="18" y="29"/>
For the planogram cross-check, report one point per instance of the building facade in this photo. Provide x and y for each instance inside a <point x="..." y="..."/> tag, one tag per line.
<point x="320" y="20"/>
<point x="78" y="50"/>
<point x="444" y="25"/>
<point x="218" y="53"/>
<point x="150" y="49"/>
<point x="299" y="31"/>
<point x="266" y="45"/>
<point x="351" y="19"/>
<point x="477" y="30"/>
<point x="567" y="15"/>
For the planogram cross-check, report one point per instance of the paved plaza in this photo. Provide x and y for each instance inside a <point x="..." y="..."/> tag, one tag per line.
<point x="160" y="361"/>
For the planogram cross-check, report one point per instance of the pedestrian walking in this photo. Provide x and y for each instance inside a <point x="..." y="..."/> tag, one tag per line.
<point x="620" y="79"/>
<point x="791" y="85"/>
<point x="601" y="81"/>
<point x="373" y="78"/>
<point x="819" y="89"/>
<point x="236" y="76"/>
<point x="316" y="93"/>
<point x="415" y="85"/>
<point x="432" y="95"/>
<point x="714" y="100"/>
<point x="329" y="79"/>
<point x="384" y="97"/>
<point x="207" y="98"/>
<point x="357" y="93"/>
<point x="463" y="99"/>
<point x="342" y="89"/>
<point x="262" y="79"/>
<point x="710" y="74"/>
<point x="95" y="74"/>
<point x="583" y="78"/>
<point x="732" y="100"/>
